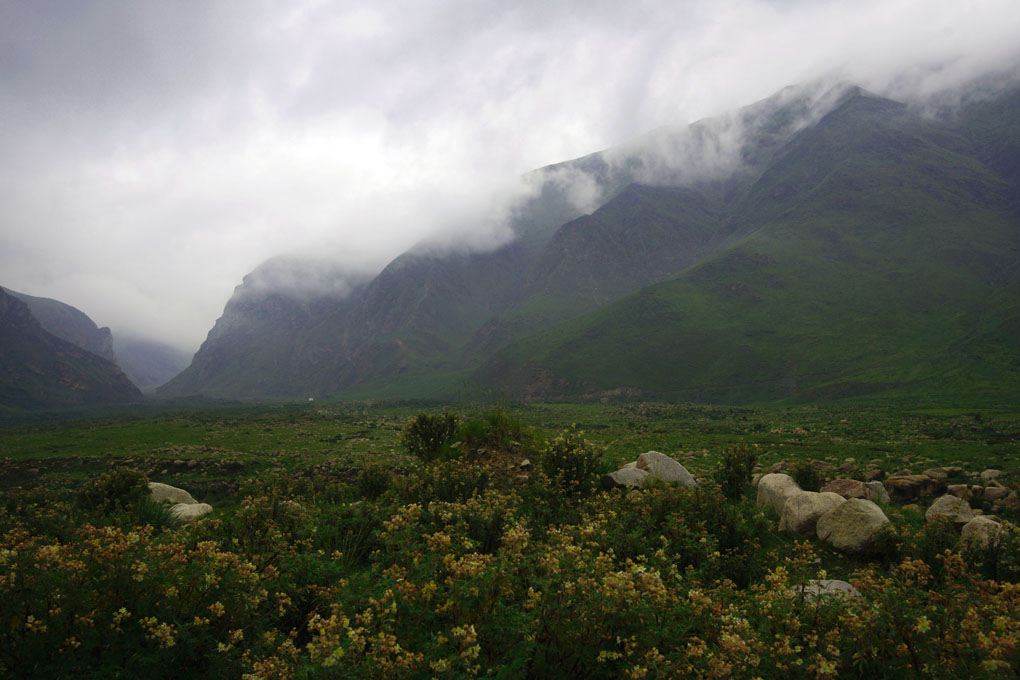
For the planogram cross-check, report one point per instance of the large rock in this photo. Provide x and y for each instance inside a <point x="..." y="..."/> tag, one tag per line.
<point x="952" y="508"/>
<point x="186" y="512"/>
<point x="164" y="493"/>
<point x="848" y="488"/>
<point x="979" y="533"/>
<point x="819" y="588"/>
<point x="660" y="466"/>
<point x="851" y="527"/>
<point x="994" y="493"/>
<point x="802" y="510"/>
<point x="625" y="477"/>
<point x="910" y="487"/>
<point x="774" y="489"/>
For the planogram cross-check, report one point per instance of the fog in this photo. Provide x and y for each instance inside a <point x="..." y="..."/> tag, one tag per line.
<point x="153" y="154"/>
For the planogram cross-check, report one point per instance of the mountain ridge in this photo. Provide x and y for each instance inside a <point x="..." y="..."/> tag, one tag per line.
<point x="814" y="165"/>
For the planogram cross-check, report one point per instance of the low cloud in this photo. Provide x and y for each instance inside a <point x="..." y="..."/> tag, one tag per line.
<point x="152" y="155"/>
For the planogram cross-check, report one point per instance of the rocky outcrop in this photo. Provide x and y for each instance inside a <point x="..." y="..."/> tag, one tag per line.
<point x="803" y="509"/>
<point x="851" y="527"/>
<point x="774" y="489"/>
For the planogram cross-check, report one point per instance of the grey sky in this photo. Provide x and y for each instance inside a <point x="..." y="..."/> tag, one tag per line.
<point x="152" y="153"/>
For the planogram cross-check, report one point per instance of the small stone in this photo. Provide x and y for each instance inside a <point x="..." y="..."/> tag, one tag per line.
<point x="960" y="491"/>
<point x="873" y="475"/>
<point x="990" y="474"/>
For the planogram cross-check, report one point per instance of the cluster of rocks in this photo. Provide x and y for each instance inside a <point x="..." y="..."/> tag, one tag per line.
<point x="848" y="523"/>
<point x="183" y="508"/>
<point x="650" y="465"/>
<point x="844" y="514"/>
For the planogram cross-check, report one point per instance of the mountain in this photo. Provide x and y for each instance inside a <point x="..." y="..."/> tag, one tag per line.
<point x="149" y="363"/>
<point x="879" y="251"/>
<point x="71" y="324"/>
<point x="824" y="242"/>
<point x="38" y="369"/>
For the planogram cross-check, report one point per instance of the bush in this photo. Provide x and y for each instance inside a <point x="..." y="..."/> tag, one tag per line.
<point x="428" y="436"/>
<point x="734" y="474"/>
<point x="374" y="480"/>
<point x="571" y="461"/>
<point x="120" y="489"/>
<point x="494" y="429"/>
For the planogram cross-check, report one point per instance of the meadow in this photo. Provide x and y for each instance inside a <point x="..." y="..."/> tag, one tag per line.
<point x="396" y="540"/>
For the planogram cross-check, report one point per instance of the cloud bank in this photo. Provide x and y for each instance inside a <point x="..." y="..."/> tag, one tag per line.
<point x="152" y="154"/>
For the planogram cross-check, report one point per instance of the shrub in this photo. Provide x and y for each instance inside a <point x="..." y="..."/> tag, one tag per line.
<point x="447" y="481"/>
<point x="497" y="428"/>
<point x="116" y="490"/>
<point x="571" y="461"/>
<point x="373" y="480"/>
<point x="429" y="436"/>
<point x="734" y="474"/>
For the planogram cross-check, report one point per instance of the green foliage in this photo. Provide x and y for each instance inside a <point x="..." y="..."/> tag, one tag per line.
<point x="374" y="479"/>
<point x="571" y="461"/>
<point x="496" y="428"/>
<point x="734" y="472"/>
<point x="118" y="489"/>
<point x="445" y="481"/>
<point x="429" y="436"/>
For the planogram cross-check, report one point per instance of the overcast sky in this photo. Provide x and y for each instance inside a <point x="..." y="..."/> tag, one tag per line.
<point x="152" y="153"/>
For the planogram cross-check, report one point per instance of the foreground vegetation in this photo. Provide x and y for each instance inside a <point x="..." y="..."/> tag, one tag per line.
<point x="352" y="542"/>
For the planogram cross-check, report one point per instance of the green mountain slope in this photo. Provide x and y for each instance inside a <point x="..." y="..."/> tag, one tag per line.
<point x="38" y="369"/>
<point x="876" y="254"/>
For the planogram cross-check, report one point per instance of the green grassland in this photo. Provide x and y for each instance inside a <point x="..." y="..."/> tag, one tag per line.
<point x="298" y="436"/>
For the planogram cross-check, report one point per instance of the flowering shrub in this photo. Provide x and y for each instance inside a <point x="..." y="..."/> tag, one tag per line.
<point x="443" y="572"/>
<point x="429" y="436"/>
<point x="571" y="462"/>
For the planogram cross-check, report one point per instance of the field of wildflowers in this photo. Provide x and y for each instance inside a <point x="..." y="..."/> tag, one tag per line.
<point x="494" y="555"/>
